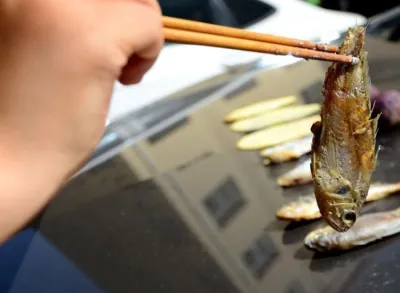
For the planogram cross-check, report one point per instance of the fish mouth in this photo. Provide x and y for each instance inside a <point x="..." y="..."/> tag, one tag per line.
<point x="344" y="223"/>
<point x="341" y="219"/>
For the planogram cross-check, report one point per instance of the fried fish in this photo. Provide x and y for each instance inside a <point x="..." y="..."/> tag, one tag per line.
<point x="367" y="229"/>
<point x="288" y="151"/>
<point x="299" y="175"/>
<point x="343" y="149"/>
<point x="277" y="134"/>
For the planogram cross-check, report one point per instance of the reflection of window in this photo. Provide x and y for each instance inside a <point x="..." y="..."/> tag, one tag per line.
<point x="195" y="160"/>
<point x="260" y="256"/>
<point x="295" y="286"/>
<point x="168" y="130"/>
<point x="224" y="201"/>
<point x="241" y="89"/>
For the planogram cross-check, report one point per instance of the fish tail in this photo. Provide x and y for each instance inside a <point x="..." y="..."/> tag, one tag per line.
<point x="348" y="78"/>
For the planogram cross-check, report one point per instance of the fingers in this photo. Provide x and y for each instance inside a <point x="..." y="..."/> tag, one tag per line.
<point x="152" y="3"/>
<point x="139" y="27"/>
<point x="150" y="45"/>
<point x="136" y="68"/>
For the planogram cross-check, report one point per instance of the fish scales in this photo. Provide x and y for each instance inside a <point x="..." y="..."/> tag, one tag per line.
<point x="343" y="147"/>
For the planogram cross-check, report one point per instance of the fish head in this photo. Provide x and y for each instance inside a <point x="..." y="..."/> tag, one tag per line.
<point x="338" y="201"/>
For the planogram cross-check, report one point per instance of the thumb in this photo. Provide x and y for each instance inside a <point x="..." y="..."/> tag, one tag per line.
<point x="136" y="68"/>
<point x="141" y="37"/>
<point x="138" y="27"/>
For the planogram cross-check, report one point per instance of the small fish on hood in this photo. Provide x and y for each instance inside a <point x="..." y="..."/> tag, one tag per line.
<point x="259" y="108"/>
<point x="343" y="149"/>
<point x="288" y="151"/>
<point x="275" y="117"/>
<point x="299" y="175"/>
<point x="277" y="134"/>
<point x="368" y="228"/>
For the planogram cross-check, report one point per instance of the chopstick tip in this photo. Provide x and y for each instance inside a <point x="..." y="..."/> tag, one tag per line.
<point x="355" y="60"/>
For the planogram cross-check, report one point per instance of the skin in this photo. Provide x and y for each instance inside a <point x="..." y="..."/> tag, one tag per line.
<point x="58" y="64"/>
<point x="343" y="148"/>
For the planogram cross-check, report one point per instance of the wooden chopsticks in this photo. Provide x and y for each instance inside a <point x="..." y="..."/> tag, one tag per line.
<point x="199" y="33"/>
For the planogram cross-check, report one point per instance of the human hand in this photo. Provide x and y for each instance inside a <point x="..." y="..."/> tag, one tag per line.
<point x="59" y="61"/>
<point x="58" y="64"/>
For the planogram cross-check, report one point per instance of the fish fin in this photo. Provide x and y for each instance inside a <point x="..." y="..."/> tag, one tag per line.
<point x="376" y="156"/>
<point x="363" y="128"/>
<point x="372" y="107"/>
<point x="316" y="129"/>
<point x="375" y="124"/>
<point x="375" y="128"/>
<point x="332" y="161"/>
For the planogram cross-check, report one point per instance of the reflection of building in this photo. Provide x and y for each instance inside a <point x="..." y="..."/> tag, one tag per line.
<point x="125" y="237"/>
<point x="295" y="286"/>
<point x="219" y="191"/>
<point x="107" y="218"/>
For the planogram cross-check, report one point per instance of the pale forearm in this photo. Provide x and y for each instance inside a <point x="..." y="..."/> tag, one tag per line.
<point x="26" y="186"/>
<point x="59" y="61"/>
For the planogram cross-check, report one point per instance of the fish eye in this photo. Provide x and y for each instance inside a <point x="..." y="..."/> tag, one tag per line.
<point x="349" y="216"/>
<point x="342" y="190"/>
